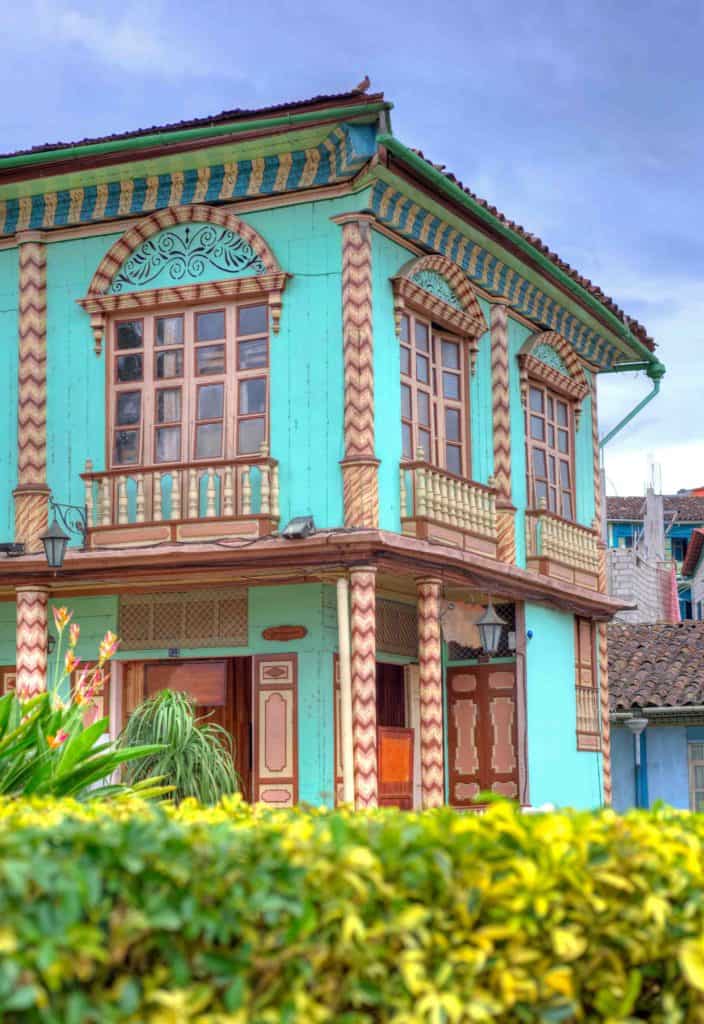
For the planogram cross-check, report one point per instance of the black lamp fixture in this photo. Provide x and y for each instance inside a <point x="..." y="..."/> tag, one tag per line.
<point x="299" y="528"/>
<point x="490" y="626"/>
<point x="55" y="540"/>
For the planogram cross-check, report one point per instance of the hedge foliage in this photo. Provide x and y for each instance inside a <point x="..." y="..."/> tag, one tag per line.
<point x="141" y="913"/>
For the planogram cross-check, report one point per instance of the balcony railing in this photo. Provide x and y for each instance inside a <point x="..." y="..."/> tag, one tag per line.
<point x="188" y="501"/>
<point x="441" y="506"/>
<point x="562" y="548"/>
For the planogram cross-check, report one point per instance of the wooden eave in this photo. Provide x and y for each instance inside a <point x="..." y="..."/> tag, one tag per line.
<point x="272" y="560"/>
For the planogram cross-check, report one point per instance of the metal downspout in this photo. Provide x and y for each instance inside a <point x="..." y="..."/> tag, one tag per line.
<point x="656" y="371"/>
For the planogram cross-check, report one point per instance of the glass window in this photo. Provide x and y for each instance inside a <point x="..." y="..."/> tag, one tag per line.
<point x="550" y="444"/>
<point x="253" y="354"/>
<point x="129" y="408"/>
<point x="252" y="320"/>
<point x="126" y="448"/>
<point x="129" y="368"/>
<point x="169" y="330"/>
<point x="210" y="359"/>
<point x="210" y="326"/>
<point x="169" y="364"/>
<point x="130" y="334"/>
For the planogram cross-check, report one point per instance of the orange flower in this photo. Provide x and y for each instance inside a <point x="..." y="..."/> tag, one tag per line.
<point x="56" y="741"/>
<point x="71" y="663"/>
<point x="108" y="646"/>
<point x="98" y="680"/>
<point x="62" y="617"/>
<point x="74" y="633"/>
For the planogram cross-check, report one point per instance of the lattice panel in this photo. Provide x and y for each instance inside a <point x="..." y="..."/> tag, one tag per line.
<point x="200" y="618"/>
<point x="396" y="628"/>
<point x="508" y="613"/>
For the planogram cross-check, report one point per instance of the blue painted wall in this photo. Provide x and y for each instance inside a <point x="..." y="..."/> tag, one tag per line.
<point x="480" y="404"/>
<point x="666" y="761"/>
<point x="558" y="773"/>
<point x="622" y="768"/>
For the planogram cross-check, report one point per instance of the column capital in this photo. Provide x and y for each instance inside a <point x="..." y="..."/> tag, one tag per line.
<point x="23" y="237"/>
<point x="429" y="581"/>
<point x="362" y="568"/>
<point x="360" y="217"/>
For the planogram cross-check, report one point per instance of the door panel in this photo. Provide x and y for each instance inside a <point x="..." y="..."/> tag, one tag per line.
<point x="395" y="748"/>
<point x="205" y="681"/>
<point x="275" y="729"/>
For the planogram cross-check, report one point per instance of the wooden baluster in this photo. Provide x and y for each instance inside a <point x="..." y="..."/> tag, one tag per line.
<point x="464" y="505"/>
<point x="472" y="510"/>
<point x="176" y="494"/>
<point x="444" y="498"/>
<point x="275" y="509"/>
<point x="228" y="506"/>
<point x="139" y="500"/>
<point x="452" y="501"/>
<point x="210" y="494"/>
<point x="156" y="497"/>
<point x="122" y="505"/>
<point x="482" y="510"/>
<point x="264" y="490"/>
<point x="105" y="517"/>
<point x="246" y="492"/>
<point x="193" y="505"/>
<point x="419" y="497"/>
<point x="436" y="511"/>
<point x="90" y="513"/>
<point x="402" y="491"/>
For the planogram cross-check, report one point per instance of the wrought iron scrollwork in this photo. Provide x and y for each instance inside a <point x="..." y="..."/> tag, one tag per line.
<point x="73" y="518"/>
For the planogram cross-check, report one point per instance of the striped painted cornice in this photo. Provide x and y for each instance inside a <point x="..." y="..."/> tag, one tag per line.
<point x="402" y="214"/>
<point x="336" y="159"/>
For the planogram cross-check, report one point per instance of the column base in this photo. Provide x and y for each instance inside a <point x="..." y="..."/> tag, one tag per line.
<point x="31" y="514"/>
<point x="506" y="533"/>
<point x="360" y="485"/>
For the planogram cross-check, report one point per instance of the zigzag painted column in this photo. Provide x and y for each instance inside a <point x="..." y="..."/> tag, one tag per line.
<point x="501" y="420"/>
<point x="363" y="664"/>
<point x="31" y="494"/>
<point x="359" y="466"/>
<point x="601" y="628"/>
<point x="31" y="640"/>
<point x="432" y="759"/>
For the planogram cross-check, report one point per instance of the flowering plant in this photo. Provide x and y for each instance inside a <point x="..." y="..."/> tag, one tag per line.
<point x="46" y="747"/>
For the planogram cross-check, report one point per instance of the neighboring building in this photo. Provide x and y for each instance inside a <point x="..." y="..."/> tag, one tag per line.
<point x="693" y="573"/>
<point x="231" y="323"/>
<point x="679" y="514"/>
<point x="656" y="679"/>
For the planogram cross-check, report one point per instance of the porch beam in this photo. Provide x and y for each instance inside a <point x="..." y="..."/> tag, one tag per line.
<point x="432" y="748"/>
<point x="363" y="684"/>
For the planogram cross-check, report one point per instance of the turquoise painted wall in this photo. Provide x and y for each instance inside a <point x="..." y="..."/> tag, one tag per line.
<point x="480" y="405"/>
<point x="584" y="466"/>
<point x="517" y="335"/>
<point x="9" y="317"/>
<point x="558" y="773"/>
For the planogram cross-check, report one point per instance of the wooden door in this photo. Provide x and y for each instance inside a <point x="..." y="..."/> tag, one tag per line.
<point x="395" y="757"/>
<point x="482" y="733"/>
<point x="205" y="681"/>
<point x="275" y="729"/>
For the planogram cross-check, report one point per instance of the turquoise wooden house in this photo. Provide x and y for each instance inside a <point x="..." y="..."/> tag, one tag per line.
<point x="321" y="427"/>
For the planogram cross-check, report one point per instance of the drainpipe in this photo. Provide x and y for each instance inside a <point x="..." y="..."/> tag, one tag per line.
<point x="656" y="371"/>
<point x="637" y="726"/>
<point x="343" y="633"/>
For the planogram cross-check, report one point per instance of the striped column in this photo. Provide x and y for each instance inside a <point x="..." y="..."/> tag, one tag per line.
<point x="501" y="422"/>
<point x="359" y="465"/>
<point x="602" y="634"/>
<point x="31" y="494"/>
<point x="432" y="751"/>
<point x="363" y="671"/>
<point x="31" y="640"/>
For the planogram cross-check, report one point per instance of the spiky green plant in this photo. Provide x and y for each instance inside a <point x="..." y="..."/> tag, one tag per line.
<point x="196" y="755"/>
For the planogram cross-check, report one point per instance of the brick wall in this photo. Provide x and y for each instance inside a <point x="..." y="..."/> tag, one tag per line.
<point x="638" y="582"/>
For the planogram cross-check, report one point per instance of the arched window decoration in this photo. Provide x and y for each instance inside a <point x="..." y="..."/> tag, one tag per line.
<point x="553" y="386"/>
<point x="439" y="323"/>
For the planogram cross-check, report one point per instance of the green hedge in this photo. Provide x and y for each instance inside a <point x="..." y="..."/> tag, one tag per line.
<point x="142" y="914"/>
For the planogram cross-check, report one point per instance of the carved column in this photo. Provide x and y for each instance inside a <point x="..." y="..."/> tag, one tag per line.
<point x="432" y="750"/>
<point x="31" y="640"/>
<point x="363" y="671"/>
<point x="31" y="494"/>
<point x="602" y="636"/>
<point x="360" y="465"/>
<point x="501" y="421"/>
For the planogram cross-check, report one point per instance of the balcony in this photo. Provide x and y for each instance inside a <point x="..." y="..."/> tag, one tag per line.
<point x="437" y="505"/>
<point x="562" y="549"/>
<point x="196" y="501"/>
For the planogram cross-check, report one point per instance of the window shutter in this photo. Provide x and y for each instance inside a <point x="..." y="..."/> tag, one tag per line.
<point x="275" y="720"/>
<point x="586" y="688"/>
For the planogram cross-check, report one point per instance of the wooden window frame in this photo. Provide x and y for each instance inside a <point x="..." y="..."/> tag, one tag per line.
<point x="692" y="764"/>
<point x="439" y="404"/>
<point x="551" y="450"/>
<point x="586" y="684"/>
<point x="189" y="382"/>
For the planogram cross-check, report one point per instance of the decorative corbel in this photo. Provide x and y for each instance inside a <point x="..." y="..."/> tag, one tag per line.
<point x="97" y="326"/>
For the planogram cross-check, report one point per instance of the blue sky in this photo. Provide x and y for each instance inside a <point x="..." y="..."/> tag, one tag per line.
<point x="580" y="121"/>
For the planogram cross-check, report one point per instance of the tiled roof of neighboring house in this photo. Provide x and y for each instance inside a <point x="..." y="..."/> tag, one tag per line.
<point x="636" y="328"/>
<point x="656" y="665"/>
<point x="236" y="114"/>
<point x="689" y="508"/>
<point x="694" y="550"/>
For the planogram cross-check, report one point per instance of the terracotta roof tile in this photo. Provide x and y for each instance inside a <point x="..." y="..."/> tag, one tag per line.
<point x="656" y="665"/>
<point x="689" y="508"/>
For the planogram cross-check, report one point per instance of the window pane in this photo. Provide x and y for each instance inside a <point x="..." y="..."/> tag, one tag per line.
<point x="451" y="355"/>
<point x="696" y="751"/>
<point x="126" y="447"/>
<point x="551" y="468"/>
<point x="536" y="400"/>
<point x="210" y="326"/>
<point x="424" y="408"/>
<point x="422" y="369"/>
<point x="452" y="425"/>
<point x="407" y="442"/>
<point x="536" y="428"/>
<point x="424" y="442"/>
<point x="252" y="396"/>
<point x="552" y="499"/>
<point x="565" y="474"/>
<point x="541" y="490"/>
<point x="253" y="354"/>
<point x="169" y="330"/>
<point x="251" y="320"/>
<point x="129" y="408"/>
<point x="551" y="412"/>
<point x="210" y="401"/>
<point x="129" y="334"/>
<point x="405" y="360"/>
<point x="566" y="505"/>
<point x="421" y="336"/>
<point x="404" y="328"/>
<point x="453" y="457"/>
<point x="405" y="401"/>
<point x="551" y="435"/>
<point x="562" y="414"/>
<point x="699" y="802"/>
<point x="168" y="405"/>
<point x="251" y="436"/>
<point x="210" y="359"/>
<point x="539" y="466"/>
<point x="129" y="368"/>
<point x="563" y="441"/>
<point x="451" y="385"/>
<point x="169" y="364"/>
<point x="209" y="441"/>
<point x="168" y="444"/>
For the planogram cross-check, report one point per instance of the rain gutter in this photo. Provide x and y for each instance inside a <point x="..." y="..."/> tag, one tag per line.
<point x="656" y="371"/>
